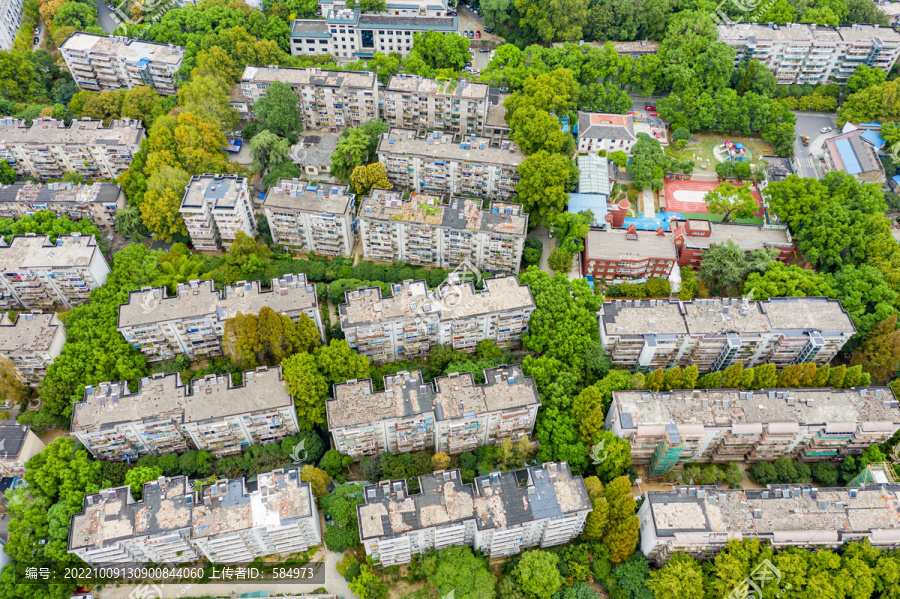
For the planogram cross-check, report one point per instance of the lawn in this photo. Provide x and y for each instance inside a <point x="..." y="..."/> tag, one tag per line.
<point x="704" y="149"/>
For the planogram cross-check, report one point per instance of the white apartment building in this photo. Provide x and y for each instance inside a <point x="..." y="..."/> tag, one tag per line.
<point x="215" y="208"/>
<point x="107" y="63"/>
<point x="31" y="343"/>
<point x="98" y="203"/>
<point x="38" y="274"/>
<point x="729" y="425"/>
<point x="413" y="102"/>
<point x="428" y="231"/>
<point x="715" y="333"/>
<point x="413" y="320"/>
<point x="19" y="444"/>
<point x="10" y="22"/>
<point x="700" y="520"/>
<point x="438" y="165"/>
<point x="48" y="149"/>
<point x="350" y="35"/>
<point x="326" y="99"/>
<point x="452" y="415"/>
<point x="500" y="514"/>
<point x="798" y="53"/>
<point x="164" y="416"/>
<point x="607" y="132"/>
<point x="227" y="522"/>
<point x="193" y="322"/>
<point x="311" y="217"/>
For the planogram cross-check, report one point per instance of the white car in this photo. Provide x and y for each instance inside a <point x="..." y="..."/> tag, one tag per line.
<point x="824" y="129"/>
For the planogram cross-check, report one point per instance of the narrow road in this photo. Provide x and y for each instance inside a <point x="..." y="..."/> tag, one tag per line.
<point x="105" y="17"/>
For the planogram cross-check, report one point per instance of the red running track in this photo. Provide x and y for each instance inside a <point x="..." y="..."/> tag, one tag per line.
<point x="687" y="196"/>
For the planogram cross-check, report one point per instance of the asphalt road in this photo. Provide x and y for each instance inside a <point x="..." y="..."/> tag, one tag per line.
<point x="105" y="18"/>
<point x="810" y="124"/>
<point x="638" y="103"/>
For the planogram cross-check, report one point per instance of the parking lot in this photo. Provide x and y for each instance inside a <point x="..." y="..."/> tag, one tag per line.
<point x="810" y="124"/>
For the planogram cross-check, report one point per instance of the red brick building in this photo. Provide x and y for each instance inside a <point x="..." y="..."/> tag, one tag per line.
<point x="694" y="236"/>
<point x="617" y="255"/>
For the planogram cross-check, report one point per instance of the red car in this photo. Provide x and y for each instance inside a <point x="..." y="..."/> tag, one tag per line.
<point x="650" y="107"/>
<point x="478" y="34"/>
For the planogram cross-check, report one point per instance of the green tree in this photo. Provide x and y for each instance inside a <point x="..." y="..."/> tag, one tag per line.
<point x="364" y="178"/>
<point x="352" y="151"/>
<point x="725" y="266"/>
<point x="550" y="21"/>
<point x="277" y="110"/>
<point x="136" y="477"/>
<point x="439" y="51"/>
<point x="680" y="577"/>
<point x="342" y="532"/>
<point x="338" y="362"/>
<point x="782" y="280"/>
<point x="209" y="97"/>
<point x="537" y="574"/>
<point x="368" y="585"/>
<point x="267" y="150"/>
<point x="162" y="201"/>
<point x="648" y="163"/>
<point x="542" y="185"/>
<point x="7" y="173"/>
<point x="621" y="536"/>
<point x="75" y="14"/>
<point x="333" y="462"/>
<point x="536" y="130"/>
<point x="317" y="479"/>
<point x="879" y="352"/>
<point x="731" y="201"/>
<point x="308" y="387"/>
<point x="458" y="571"/>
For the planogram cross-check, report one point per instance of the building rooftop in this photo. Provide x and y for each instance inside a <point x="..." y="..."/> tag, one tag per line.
<point x="59" y="193"/>
<point x="850" y="154"/>
<point x="199" y="298"/>
<point x="793" y="315"/>
<point x="47" y="131"/>
<point x="309" y="26"/>
<point x="297" y="194"/>
<point x="496" y="116"/>
<point x="440" y="146"/>
<point x="594" y="125"/>
<point x="784" y="513"/>
<point x="449" y="397"/>
<point x="414" y="84"/>
<point x="622" y="244"/>
<point x="593" y="175"/>
<point x="801" y="33"/>
<point x="411" y="298"/>
<point x="315" y="150"/>
<point x="36" y="251"/>
<point x="129" y="49"/>
<point x="873" y="408"/>
<point x="219" y="192"/>
<point x="748" y="237"/>
<point x="498" y="500"/>
<point x="401" y="22"/>
<point x="12" y="439"/>
<point x="31" y="332"/>
<point x="452" y="213"/>
<point x="312" y="76"/>
<point x="163" y="397"/>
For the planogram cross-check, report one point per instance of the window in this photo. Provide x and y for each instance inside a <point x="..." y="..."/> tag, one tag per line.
<point x="310" y="41"/>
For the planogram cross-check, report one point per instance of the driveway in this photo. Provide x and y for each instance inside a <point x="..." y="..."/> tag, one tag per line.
<point x="544" y="235"/>
<point x="810" y="124"/>
<point x="638" y="103"/>
<point x="469" y="21"/>
<point x="105" y="17"/>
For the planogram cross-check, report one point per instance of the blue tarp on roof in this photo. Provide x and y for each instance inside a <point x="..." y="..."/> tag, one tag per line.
<point x="595" y="203"/>
<point x="871" y="125"/>
<point x="848" y="156"/>
<point x="873" y="138"/>
<point x="896" y="179"/>
<point x="143" y="62"/>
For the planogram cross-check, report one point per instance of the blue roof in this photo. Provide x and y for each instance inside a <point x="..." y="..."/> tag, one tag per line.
<point x="873" y="124"/>
<point x="873" y="138"/>
<point x="652" y="223"/>
<point x="143" y="62"/>
<point x="896" y="179"/>
<point x="595" y="203"/>
<point x="848" y="156"/>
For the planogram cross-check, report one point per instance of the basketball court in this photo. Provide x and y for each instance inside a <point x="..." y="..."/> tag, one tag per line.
<point x="687" y="196"/>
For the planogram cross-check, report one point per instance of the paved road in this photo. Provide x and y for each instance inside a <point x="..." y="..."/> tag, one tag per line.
<point x="543" y="234"/>
<point x="638" y="103"/>
<point x="105" y="18"/>
<point x="809" y="124"/>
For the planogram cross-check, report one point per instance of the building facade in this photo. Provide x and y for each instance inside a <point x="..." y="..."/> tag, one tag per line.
<point x="715" y="333"/>
<point x="350" y="34"/>
<point x="438" y="165"/>
<point x="700" y="520"/>
<point x="32" y="343"/>
<point x="164" y="416"/>
<point x="500" y="514"/>
<point x="227" y="522"/>
<point x="311" y="217"/>
<point x="452" y="415"/>
<point x="193" y="322"/>
<point x="19" y="444"/>
<point x="331" y="100"/>
<point x="10" y="22"/>
<point x="98" y="203"/>
<point x="414" y="319"/>
<point x="215" y="208"/>
<point x="617" y="255"/>
<point x="38" y="274"/>
<point x="694" y="236"/>
<point x="48" y="149"/>
<point x="798" y="53"/>
<point x="608" y="132"/>
<point x="413" y="102"/>
<point x="107" y="63"/>
<point x="729" y="425"/>
<point x="424" y="230"/>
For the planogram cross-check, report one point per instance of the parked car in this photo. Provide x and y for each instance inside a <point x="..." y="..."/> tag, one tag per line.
<point x="37" y="30"/>
<point x="478" y="34"/>
<point x="485" y="50"/>
<point x="471" y="35"/>
<point x="488" y="30"/>
<point x="468" y="65"/>
<point x="824" y="129"/>
<point x="37" y="41"/>
<point x="650" y="107"/>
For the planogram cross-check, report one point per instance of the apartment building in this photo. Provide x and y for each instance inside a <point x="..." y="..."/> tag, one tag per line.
<point x="618" y="255"/>
<point x="700" y="520"/>
<point x="107" y="63"/>
<point x="729" y="425"/>
<point x="426" y="230"/>
<point x="436" y="164"/>
<point x="215" y="208"/>
<point x="227" y="522"/>
<point x="798" y="53"/>
<point x="413" y="320"/>
<point x="326" y="99"/>
<point x="193" y="322"/>
<point x="350" y="34"/>
<point x="10" y="22"/>
<point x="19" y="444"/>
<point x="453" y="415"/>
<point x="31" y="343"/>
<point x="312" y="217"/>
<point x="694" y="236"/>
<point x="38" y="274"/>
<point x="98" y="203"/>
<point x="165" y="416"/>
<point x="715" y="333"/>
<point x="500" y="514"/>
<point x="413" y="102"/>
<point x="608" y="132"/>
<point x="48" y="149"/>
